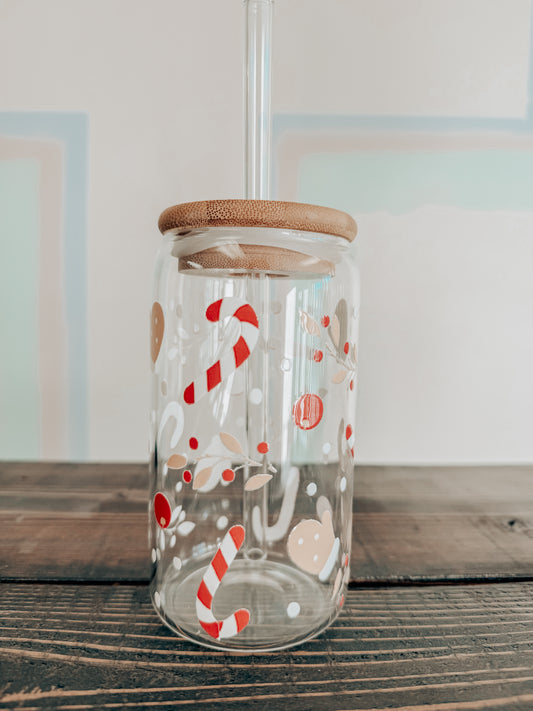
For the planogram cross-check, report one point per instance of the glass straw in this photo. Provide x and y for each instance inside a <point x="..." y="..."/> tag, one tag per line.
<point x="257" y="130"/>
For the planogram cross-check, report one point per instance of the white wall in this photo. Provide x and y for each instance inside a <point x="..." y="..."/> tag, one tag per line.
<point x="161" y="84"/>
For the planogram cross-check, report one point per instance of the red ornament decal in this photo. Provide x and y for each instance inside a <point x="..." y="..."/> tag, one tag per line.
<point x="317" y="356"/>
<point x="193" y="443"/>
<point x="307" y="411"/>
<point x="162" y="510"/>
<point x="187" y="476"/>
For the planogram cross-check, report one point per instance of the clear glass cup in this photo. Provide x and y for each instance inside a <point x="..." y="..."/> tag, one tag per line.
<point x="254" y="369"/>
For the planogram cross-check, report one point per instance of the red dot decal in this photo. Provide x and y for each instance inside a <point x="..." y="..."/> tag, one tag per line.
<point x="162" y="510"/>
<point x="325" y="321"/>
<point x="193" y="443"/>
<point x="346" y="347"/>
<point x="317" y="356"/>
<point x="351" y="384"/>
<point x="352" y="453"/>
<point x="349" y="431"/>
<point x="262" y="447"/>
<point x="341" y="601"/>
<point x="228" y="475"/>
<point x="187" y="476"/>
<point x="307" y="411"/>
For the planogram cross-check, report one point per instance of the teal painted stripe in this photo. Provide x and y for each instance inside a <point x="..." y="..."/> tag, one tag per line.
<point x="19" y="325"/>
<point x="283" y="123"/>
<point x="399" y="182"/>
<point x="71" y="129"/>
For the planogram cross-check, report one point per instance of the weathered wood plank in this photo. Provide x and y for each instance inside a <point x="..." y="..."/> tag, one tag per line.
<point x="417" y="648"/>
<point x="76" y="522"/>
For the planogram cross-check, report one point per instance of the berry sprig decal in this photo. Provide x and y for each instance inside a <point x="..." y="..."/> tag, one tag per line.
<point x="337" y="346"/>
<point x="217" y="464"/>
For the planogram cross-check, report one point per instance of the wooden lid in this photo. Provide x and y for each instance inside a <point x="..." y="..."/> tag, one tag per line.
<point x="258" y="213"/>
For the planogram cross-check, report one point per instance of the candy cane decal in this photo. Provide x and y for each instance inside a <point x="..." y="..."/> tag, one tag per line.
<point x="223" y="558"/>
<point x="229" y="362"/>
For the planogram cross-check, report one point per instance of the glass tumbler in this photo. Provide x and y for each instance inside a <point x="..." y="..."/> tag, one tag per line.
<point x="254" y="370"/>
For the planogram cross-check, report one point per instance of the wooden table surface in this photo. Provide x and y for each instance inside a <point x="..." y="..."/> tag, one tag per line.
<point x="439" y="614"/>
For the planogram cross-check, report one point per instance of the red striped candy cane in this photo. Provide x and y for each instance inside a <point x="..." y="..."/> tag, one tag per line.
<point x="230" y="361"/>
<point x="223" y="558"/>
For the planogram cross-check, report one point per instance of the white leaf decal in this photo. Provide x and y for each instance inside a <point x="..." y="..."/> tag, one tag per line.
<point x="309" y="324"/>
<point x="176" y="514"/>
<point x="201" y="478"/>
<point x="339" y="376"/>
<point x="335" y="330"/>
<point x="185" y="528"/>
<point x="177" y="461"/>
<point x="230" y="442"/>
<point x="257" y="481"/>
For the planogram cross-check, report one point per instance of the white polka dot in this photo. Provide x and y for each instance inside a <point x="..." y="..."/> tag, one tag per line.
<point x="256" y="396"/>
<point x="315" y="558"/>
<point x="172" y="541"/>
<point x="179" y="486"/>
<point x="183" y="359"/>
<point x="157" y="599"/>
<point x="239" y="421"/>
<point x="300" y="541"/>
<point x="176" y="562"/>
<point x="342" y="485"/>
<point x="222" y="522"/>
<point x="326" y="447"/>
<point x="225" y="504"/>
<point x="196" y="328"/>
<point x="311" y="489"/>
<point x="317" y="536"/>
<point x="154" y="555"/>
<point x="293" y="609"/>
<point x="285" y="364"/>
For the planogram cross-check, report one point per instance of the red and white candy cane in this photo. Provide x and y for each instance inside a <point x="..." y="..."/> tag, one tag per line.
<point x="230" y="361"/>
<point x="223" y="558"/>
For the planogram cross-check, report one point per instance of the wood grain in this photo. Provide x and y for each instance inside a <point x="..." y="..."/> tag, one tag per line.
<point x="89" y="522"/>
<point x="418" y="648"/>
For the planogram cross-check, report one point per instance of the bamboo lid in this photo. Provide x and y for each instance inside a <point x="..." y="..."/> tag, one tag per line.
<point x="258" y="213"/>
